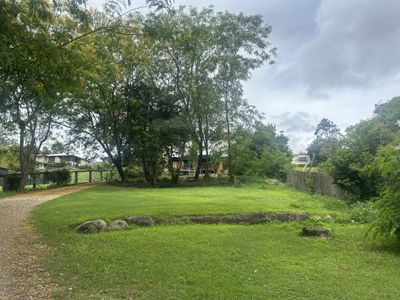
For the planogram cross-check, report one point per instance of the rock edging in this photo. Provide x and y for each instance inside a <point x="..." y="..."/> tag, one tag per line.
<point x="256" y="218"/>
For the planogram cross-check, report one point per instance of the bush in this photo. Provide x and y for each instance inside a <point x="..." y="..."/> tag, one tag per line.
<point x="10" y="183"/>
<point x="388" y="205"/>
<point x="58" y="177"/>
<point x="362" y="212"/>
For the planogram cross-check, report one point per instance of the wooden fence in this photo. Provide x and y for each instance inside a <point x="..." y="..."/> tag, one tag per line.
<point x="315" y="182"/>
<point x="77" y="176"/>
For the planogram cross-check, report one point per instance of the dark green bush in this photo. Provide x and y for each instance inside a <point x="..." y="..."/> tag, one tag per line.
<point x="58" y="177"/>
<point x="10" y="183"/>
<point x="388" y="204"/>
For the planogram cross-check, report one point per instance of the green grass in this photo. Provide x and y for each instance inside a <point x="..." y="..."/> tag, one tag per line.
<point x="211" y="261"/>
<point x="4" y="194"/>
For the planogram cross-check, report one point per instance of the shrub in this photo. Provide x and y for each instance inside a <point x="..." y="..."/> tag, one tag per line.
<point x="310" y="184"/>
<point x="362" y="212"/>
<point x="58" y="177"/>
<point x="388" y="205"/>
<point x="10" y="183"/>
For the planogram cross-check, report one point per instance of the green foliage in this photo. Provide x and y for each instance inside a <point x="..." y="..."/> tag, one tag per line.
<point x="310" y="184"/>
<point x="388" y="204"/>
<point x="58" y="177"/>
<point x="35" y="73"/>
<point x="11" y="182"/>
<point x="9" y="157"/>
<point x="361" y="212"/>
<point x="263" y="152"/>
<point x="388" y="113"/>
<point x="353" y="166"/>
<point x="326" y="142"/>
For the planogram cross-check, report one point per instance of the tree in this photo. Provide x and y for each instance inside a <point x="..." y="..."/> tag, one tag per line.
<point x="352" y="166"/>
<point x="200" y="52"/>
<point x="261" y="152"/>
<point x="9" y="157"/>
<point x="387" y="163"/>
<point x="59" y="147"/>
<point x="34" y="74"/>
<point x="388" y="113"/>
<point x="243" y="45"/>
<point x="99" y="110"/>
<point x="326" y="142"/>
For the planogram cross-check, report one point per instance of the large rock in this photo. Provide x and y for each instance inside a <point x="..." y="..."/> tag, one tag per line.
<point x="315" y="231"/>
<point x="91" y="226"/>
<point x="119" y="224"/>
<point x="140" y="220"/>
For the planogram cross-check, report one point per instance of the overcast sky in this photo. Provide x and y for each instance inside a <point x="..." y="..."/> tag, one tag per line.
<point x="336" y="59"/>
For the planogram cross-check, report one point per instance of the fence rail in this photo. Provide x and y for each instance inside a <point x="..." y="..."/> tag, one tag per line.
<point x="315" y="182"/>
<point x="36" y="179"/>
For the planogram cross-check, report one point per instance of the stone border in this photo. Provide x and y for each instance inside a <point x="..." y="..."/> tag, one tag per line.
<point x="256" y="218"/>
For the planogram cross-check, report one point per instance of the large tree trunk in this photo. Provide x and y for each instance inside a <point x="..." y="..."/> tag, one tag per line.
<point x="115" y="161"/>
<point x="22" y="160"/>
<point x="121" y="172"/>
<point x="207" y="171"/>
<point x="199" y="161"/>
<point x="175" y="173"/>
<point x="228" y="135"/>
<point x="206" y="144"/>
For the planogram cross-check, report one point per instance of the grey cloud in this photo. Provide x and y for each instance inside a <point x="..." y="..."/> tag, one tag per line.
<point x="295" y="122"/>
<point x="299" y="127"/>
<point x="357" y="45"/>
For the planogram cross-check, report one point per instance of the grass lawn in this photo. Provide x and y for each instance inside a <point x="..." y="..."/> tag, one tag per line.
<point x="211" y="261"/>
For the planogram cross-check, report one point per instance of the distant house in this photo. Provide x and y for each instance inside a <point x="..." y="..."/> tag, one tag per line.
<point x="301" y="160"/>
<point x="188" y="167"/>
<point x="4" y="171"/>
<point x="60" y="160"/>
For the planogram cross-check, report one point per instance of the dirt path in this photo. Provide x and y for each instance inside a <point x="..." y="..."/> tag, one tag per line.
<point x="21" y="275"/>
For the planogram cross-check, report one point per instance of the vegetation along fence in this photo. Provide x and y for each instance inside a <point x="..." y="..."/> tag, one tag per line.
<point x="315" y="182"/>
<point x="38" y="179"/>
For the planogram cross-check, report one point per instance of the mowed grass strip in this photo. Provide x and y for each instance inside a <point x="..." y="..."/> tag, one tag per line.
<point x="210" y="261"/>
<point x="110" y="202"/>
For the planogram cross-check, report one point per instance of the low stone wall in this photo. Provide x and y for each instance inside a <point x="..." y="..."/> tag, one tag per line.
<point x="314" y="182"/>
<point x="251" y="219"/>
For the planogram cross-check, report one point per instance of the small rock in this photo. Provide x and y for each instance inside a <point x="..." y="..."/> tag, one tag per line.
<point x="119" y="224"/>
<point x="140" y="220"/>
<point x="314" y="231"/>
<point x="91" y="226"/>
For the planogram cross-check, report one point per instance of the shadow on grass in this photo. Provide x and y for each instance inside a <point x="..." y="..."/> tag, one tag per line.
<point x="380" y="244"/>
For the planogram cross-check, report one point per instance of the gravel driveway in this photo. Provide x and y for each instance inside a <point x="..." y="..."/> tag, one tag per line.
<point x="21" y="274"/>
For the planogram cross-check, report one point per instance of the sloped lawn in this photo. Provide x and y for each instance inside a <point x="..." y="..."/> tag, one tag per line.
<point x="211" y="261"/>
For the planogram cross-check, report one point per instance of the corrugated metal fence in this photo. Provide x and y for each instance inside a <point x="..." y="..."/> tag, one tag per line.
<point x="314" y="182"/>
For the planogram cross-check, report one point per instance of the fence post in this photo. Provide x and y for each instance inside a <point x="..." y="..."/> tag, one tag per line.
<point x="90" y="176"/>
<point x="34" y="180"/>
<point x="76" y="177"/>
